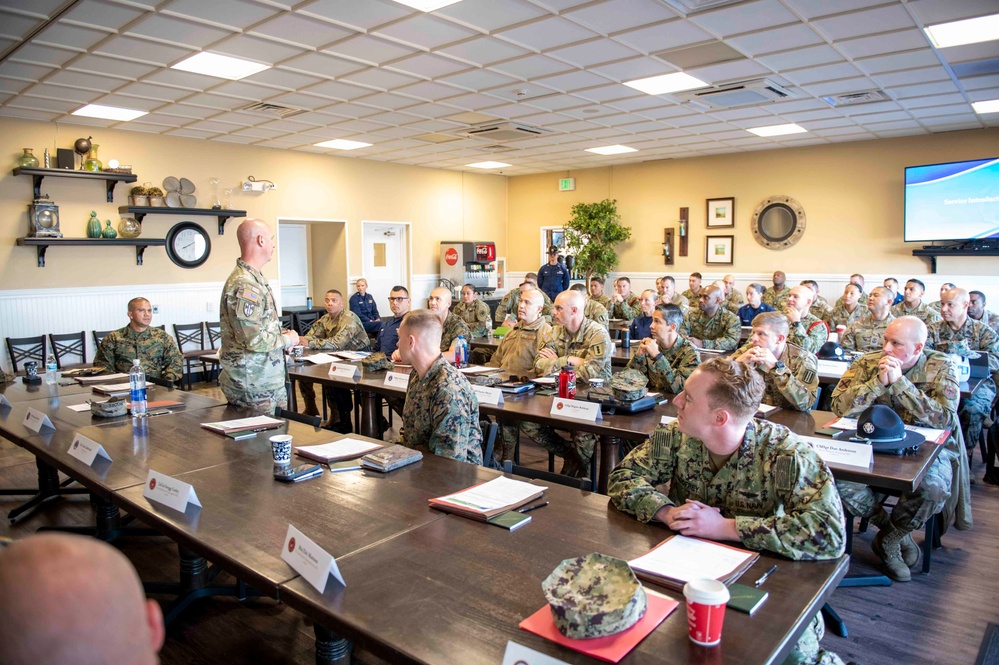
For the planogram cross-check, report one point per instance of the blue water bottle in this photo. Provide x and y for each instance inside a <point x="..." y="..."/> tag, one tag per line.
<point x="137" y="389"/>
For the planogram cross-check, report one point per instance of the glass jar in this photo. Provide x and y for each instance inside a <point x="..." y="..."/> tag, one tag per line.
<point x="128" y="227"/>
<point x="27" y="160"/>
<point x="92" y="163"/>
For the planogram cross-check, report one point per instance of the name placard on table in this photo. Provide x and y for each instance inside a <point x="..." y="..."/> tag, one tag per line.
<point x="576" y="410"/>
<point x="836" y="451"/>
<point x="488" y="395"/>
<point x="4" y="401"/>
<point x="398" y="380"/>
<point x="344" y="370"/>
<point x="309" y="560"/>
<point x="170" y="492"/>
<point x="87" y="450"/>
<point x="35" y="420"/>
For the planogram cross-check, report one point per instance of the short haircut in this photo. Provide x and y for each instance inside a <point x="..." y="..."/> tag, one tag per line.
<point x="530" y="284"/>
<point x="759" y="288"/>
<point x="334" y="291"/>
<point x="531" y="277"/>
<point x="737" y="387"/>
<point x="622" y="279"/>
<point x="977" y="293"/>
<point x="696" y="274"/>
<point x="426" y="325"/>
<point x="672" y="314"/>
<point x="891" y="279"/>
<point x="652" y="291"/>
<point x="949" y="285"/>
<point x="471" y="286"/>
<point x="857" y="274"/>
<point x="578" y="287"/>
<point x="811" y="283"/>
<point x="133" y="304"/>
<point x="668" y="278"/>
<point x="398" y="287"/>
<point x="535" y="297"/>
<point x="916" y="281"/>
<point x="595" y="278"/>
<point x="773" y="321"/>
<point x="860" y="290"/>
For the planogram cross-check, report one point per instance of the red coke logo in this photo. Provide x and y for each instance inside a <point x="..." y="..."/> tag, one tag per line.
<point x="451" y="256"/>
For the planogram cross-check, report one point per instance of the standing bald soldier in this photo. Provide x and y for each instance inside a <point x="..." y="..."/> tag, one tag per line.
<point x="72" y="599"/>
<point x="252" y="351"/>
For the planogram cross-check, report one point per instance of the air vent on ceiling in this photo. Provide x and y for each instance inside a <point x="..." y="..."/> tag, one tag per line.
<point x="502" y="131"/>
<point x="854" y="98"/>
<point x="272" y="110"/>
<point x="434" y="137"/>
<point x="744" y="93"/>
<point x="495" y="148"/>
<point x="687" y="7"/>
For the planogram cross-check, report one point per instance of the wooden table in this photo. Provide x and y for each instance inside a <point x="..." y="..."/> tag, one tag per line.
<point x="18" y="391"/>
<point x="58" y="406"/>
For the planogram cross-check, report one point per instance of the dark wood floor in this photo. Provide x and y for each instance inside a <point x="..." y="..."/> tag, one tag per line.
<point x="936" y="618"/>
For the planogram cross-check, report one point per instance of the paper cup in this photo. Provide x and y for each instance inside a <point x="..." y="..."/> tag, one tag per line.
<point x="281" y="447"/>
<point x="840" y="330"/>
<point x="297" y="352"/>
<point x="706" y="600"/>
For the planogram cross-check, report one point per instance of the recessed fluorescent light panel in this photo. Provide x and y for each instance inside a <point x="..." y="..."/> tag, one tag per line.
<point x="777" y="130"/>
<point x="968" y="31"/>
<point x="108" y="112"/>
<point x="427" y="5"/>
<point x="667" y="83"/>
<point x="987" y="106"/>
<point x="611" y="150"/>
<point x="221" y="66"/>
<point x="342" y="144"/>
<point x="488" y="165"/>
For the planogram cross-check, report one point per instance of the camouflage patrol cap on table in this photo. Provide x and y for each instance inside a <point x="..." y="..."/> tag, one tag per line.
<point x="485" y="380"/>
<point x="629" y="385"/>
<point x="594" y="596"/>
<point x="110" y="409"/>
<point x="376" y="361"/>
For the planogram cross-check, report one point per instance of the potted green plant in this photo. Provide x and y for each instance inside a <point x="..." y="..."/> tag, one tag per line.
<point x="156" y="197"/>
<point x="592" y="234"/>
<point x="138" y="196"/>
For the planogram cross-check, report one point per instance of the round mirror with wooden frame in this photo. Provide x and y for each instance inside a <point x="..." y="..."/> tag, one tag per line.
<point x="778" y="222"/>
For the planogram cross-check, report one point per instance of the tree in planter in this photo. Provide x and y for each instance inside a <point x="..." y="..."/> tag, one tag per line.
<point x="592" y="234"/>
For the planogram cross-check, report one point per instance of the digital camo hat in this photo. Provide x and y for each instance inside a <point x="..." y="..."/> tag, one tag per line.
<point x="629" y="385"/>
<point x="376" y="361"/>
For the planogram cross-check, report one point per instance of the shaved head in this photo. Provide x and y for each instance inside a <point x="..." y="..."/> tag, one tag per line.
<point x="256" y="242"/>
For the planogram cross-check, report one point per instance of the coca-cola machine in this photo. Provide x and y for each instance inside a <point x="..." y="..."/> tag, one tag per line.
<point x="468" y="263"/>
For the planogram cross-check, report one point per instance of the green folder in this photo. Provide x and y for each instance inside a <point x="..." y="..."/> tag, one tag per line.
<point x="511" y="520"/>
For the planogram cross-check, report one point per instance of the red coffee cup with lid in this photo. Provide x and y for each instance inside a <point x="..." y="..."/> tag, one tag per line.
<point x="706" y="600"/>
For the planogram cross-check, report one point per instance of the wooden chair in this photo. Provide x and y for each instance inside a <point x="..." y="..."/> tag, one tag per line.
<point x="584" y="484"/>
<point x="69" y="347"/>
<point x="297" y="417"/>
<point x="23" y="349"/>
<point x="191" y="342"/>
<point x="304" y="321"/>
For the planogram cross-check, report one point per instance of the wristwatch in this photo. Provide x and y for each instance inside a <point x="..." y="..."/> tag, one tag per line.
<point x="779" y="366"/>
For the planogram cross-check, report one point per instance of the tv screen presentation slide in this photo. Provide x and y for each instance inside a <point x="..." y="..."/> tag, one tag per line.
<point x="958" y="201"/>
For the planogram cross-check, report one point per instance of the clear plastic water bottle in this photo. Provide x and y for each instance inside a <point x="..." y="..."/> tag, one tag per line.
<point x="461" y="352"/>
<point x="51" y="369"/>
<point x="137" y="389"/>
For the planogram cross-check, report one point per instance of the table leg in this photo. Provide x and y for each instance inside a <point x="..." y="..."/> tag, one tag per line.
<point x="370" y="405"/>
<point x="49" y="488"/>
<point x="610" y="454"/>
<point x="331" y="649"/>
<point x="108" y="526"/>
<point x="292" y="398"/>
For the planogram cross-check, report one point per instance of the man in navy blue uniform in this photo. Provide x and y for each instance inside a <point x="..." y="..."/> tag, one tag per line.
<point x="363" y="305"/>
<point x="553" y="277"/>
<point x="388" y="337"/>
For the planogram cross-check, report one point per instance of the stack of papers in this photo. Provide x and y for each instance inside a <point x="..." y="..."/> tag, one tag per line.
<point x="391" y="458"/>
<point x="932" y="435"/>
<point x="337" y="450"/>
<point x="679" y="559"/>
<point x="765" y="410"/>
<point x="320" y="359"/>
<point x="103" y="378"/>
<point x="352" y="355"/>
<point x="256" y="423"/>
<point x="112" y="389"/>
<point x="481" y="502"/>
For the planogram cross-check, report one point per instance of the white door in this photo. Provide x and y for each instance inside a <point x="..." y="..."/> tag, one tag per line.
<point x="293" y="255"/>
<point x="385" y="260"/>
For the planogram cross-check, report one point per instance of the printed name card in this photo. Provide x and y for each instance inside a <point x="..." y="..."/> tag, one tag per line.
<point x="4" y="401"/>
<point x="309" y="560"/>
<point x="398" y="380"/>
<point x="87" y="450"/>
<point x="171" y="492"/>
<point x="344" y="371"/>
<point x="570" y="408"/>
<point x="666" y="420"/>
<point x="488" y="395"/>
<point x="848" y="453"/>
<point x="518" y="654"/>
<point x="35" y="420"/>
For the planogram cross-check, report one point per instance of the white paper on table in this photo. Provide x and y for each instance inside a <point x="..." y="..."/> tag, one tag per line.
<point x="87" y="450"/>
<point x="837" y="451"/>
<point x="345" y="448"/>
<point x="309" y="560"/>
<point x="478" y="369"/>
<point x="832" y="368"/>
<point x="79" y="408"/>
<point x="319" y="358"/>
<point x="353" y="355"/>
<point x="686" y="559"/>
<point x="494" y="494"/>
<point x="343" y="371"/>
<point x="767" y="409"/>
<point x="850" y="424"/>
<point x="113" y="387"/>
<point x="35" y="420"/>
<point x="243" y="423"/>
<point x="666" y="420"/>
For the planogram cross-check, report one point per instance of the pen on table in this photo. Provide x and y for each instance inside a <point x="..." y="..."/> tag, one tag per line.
<point x="159" y="413"/>
<point x="530" y="508"/>
<point x="766" y="575"/>
<point x="662" y="401"/>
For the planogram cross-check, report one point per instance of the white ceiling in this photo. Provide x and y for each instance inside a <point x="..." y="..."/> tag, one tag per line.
<point x="379" y="72"/>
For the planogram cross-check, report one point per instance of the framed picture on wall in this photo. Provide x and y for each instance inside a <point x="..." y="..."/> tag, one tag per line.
<point x="721" y="212"/>
<point x="719" y="250"/>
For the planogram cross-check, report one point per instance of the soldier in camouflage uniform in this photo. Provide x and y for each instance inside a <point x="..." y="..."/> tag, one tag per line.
<point x="473" y="312"/>
<point x="921" y="387"/>
<point x="806" y="331"/>
<point x="944" y="288"/>
<point x="732" y="478"/>
<point x="593" y="310"/>
<point x="977" y="311"/>
<point x="959" y="333"/>
<point x="733" y="297"/>
<point x="338" y="329"/>
<point x="776" y="296"/>
<point x="453" y="326"/>
<point x="671" y="297"/>
<point x="252" y="351"/>
<point x="156" y="350"/>
<point x="586" y="346"/>
<point x="666" y="358"/>
<point x="841" y="314"/>
<point x="791" y="373"/>
<point x="506" y="311"/>
<point x="693" y="293"/>
<point x="712" y="326"/>
<point x="441" y="413"/>
<point x="868" y="332"/>
<point x="913" y="305"/>
<point x="820" y="306"/>
<point x="597" y="294"/>
<point x="624" y="304"/>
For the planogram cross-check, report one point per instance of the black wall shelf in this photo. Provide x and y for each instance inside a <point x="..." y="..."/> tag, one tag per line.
<point x="943" y="251"/>
<point x="110" y="179"/>
<point x="223" y="215"/>
<point x="42" y="244"/>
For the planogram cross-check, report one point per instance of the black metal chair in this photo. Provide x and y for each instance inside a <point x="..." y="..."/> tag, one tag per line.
<point x="287" y="322"/>
<point x="191" y="342"/>
<point x="23" y="349"/>
<point x="69" y="347"/>
<point x="488" y="443"/>
<point x="99" y="336"/>
<point x="304" y="321"/>
<point x="297" y="417"/>
<point x="584" y="484"/>
<point x="214" y="329"/>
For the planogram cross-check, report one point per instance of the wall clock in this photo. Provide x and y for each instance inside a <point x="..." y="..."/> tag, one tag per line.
<point x="188" y="245"/>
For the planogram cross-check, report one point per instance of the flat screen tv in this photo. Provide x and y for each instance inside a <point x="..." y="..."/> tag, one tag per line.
<point x="955" y="201"/>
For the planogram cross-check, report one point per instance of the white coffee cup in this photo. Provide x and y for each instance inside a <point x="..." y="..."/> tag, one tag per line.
<point x="281" y="448"/>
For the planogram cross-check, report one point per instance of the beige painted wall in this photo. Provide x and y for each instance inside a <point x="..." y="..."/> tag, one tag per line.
<point x="851" y="193"/>
<point x="309" y="186"/>
<point x="328" y="239"/>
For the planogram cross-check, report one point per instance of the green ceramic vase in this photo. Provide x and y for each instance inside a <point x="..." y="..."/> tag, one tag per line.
<point x="93" y="226"/>
<point x="109" y="232"/>
<point x="27" y="160"/>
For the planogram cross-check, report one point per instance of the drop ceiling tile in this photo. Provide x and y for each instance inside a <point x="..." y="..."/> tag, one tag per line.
<point x="430" y="91"/>
<point x="613" y="16"/>
<point x="380" y="78"/>
<point x="211" y="101"/>
<point x="212" y="126"/>
<point x="613" y="92"/>
<point x="531" y="67"/>
<point x="164" y="119"/>
<point x="244" y="90"/>
<point x="638" y="103"/>
<point x="370" y="49"/>
<point x="593" y="52"/>
<point x="840" y="87"/>
<point x="830" y="123"/>
<point x="743" y="17"/>
<point x="135" y="103"/>
<point x="795" y="105"/>
<point x="282" y="78"/>
<point x="387" y="100"/>
<point x="359" y="126"/>
<point x="17" y="26"/>
<point x="964" y="121"/>
<point x="490" y="15"/>
<point x="433" y="111"/>
<point x="41" y="104"/>
<point x="521" y="92"/>
<point x="864" y="22"/>
<point x="891" y="42"/>
<point x="740" y="70"/>
<point x="337" y="90"/>
<point x="51" y="91"/>
<point x="654" y="38"/>
<point x="571" y="81"/>
<point x="191" y="133"/>
<point x="892" y="116"/>
<point x="28" y="114"/>
<point x="65" y="35"/>
<point x="806" y="116"/>
<point x="932" y="12"/>
<point x="42" y="55"/>
<point x="635" y="68"/>
<point x="19" y="70"/>
<point x="665" y="111"/>
<point x="160" y="27"/>
<point x="937" y="88"/>
<point x="258" y="133"/>
<point x="278" y="143"/>
<point x="256" y="49"/>
<point x="361" y="16"/>
<point x="814" y="8"/>
<point x="872" y="107"/>
<point x="936" y="111"/>
<point x="153" y="92"/>
<point x="480" y="79"/>
<point x="233" y="138"/>
<point x="394" y="118"/>
<point x="350" y="111"/>
<point x="811" y="56"/>
<point x="428" y="65"/>
<point x="547" y="33"/>
<point x="984" y="83"/>
<point x="146" y="127"/>
<point x="425" y="31"/>
<point x="912" y="76"/>
<point x="286" y="126"/>
<point x="303" y="30"/>
<point x="615" y="121"/>
<point x="900" y="61"/>
<point x="102" y="15"/>
<point x="117" y="67"/>
<point x="777" y="39"/>
<point x="972" y="52"/>
<point x="740" y="113"/>
<point x="555" y="102"/>
<point x="484" y="50"/>
<point x="143" y="51"/>
<point x="299" y="101"/>
<point x="320" y="64"/>
<point x="241" y="119"/>
<point x="823" y="73"/>
<point x="230" y="13"/>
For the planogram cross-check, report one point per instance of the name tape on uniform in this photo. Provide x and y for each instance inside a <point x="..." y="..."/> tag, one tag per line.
<point x="577" y="410"/>
<point x="344" y="371"/>
<point x="87" y="450"/>
<point x="488" y="395"/>
<point x="171" y="492"/>
<point x="398" y="380"/>
<point x="518" y="654"/>
<point x="309" y="560"/>
<point x="35" y="420"/>
<point x="835" y="451"/>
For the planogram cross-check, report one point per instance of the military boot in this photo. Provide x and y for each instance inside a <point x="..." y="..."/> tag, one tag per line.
<point x="887" y="546"/>
<point x="310" y="407"/>
<point x="910" y="551"/>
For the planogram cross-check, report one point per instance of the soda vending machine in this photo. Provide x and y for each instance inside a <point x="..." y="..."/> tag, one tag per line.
<point x="468" y="263"/>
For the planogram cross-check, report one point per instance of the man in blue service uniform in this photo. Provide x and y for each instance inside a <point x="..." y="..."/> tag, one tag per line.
<point x="388" y="337"/>
<point x="553" y="277"/>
